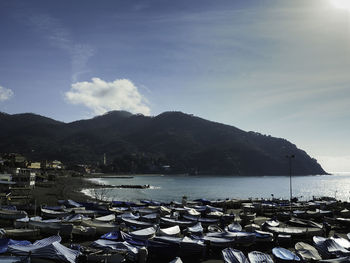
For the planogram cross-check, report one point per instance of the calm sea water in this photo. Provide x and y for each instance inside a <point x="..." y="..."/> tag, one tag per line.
<point x="173" y="187"/>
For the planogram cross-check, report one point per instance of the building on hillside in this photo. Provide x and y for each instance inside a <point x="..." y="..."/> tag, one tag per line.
<point x="34" y="165"/>
<point x="14" y="160"/>
<point x="24" y="177"/>
<point x="54" y="165"/>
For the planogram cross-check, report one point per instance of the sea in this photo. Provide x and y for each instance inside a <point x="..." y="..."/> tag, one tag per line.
<point x="168" y="188"/>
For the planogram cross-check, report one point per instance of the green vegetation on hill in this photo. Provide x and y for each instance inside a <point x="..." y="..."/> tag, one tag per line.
<point x="140" y="144"/>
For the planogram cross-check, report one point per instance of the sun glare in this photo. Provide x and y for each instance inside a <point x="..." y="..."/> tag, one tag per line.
<point x="341" y="4"/>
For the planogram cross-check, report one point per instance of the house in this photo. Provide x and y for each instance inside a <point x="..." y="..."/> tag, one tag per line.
<point x="34" y="165"/>
<point x="24" y="177"/>
<point x="54" y="165"/>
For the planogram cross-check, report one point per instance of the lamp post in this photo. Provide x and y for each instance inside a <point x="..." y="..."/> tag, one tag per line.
<point x="290" y="156"/>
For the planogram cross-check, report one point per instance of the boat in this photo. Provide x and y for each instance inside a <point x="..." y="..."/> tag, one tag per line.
<point x="251" y="227"/>
<point x="336" y="260"/>
<point x="21" y="222"/>
<point x="51" y="226"/>
<point x="192" y="248"/>
<point x="284" y="255"/>
<point x="341" y="241"/>
<point x="243" y="238"/>
<point x="247" y="216"/>
<point x="259" y="257"/>
<point x="262" y="236"/>
<point x="214" y="229"/>
<point x="197" y="229"/>
<point x="14" y="259"/>
<point x="107" y="218"/>
<point x="101" y="227"/>
<point x="46" y="213"/>
<point x="221" y="242"/>
<point x="150" y="217"/>
<point x="22" y="233"/>
<point x="307" y="252"/>
<point x="136" y="223"/>
<point x="105" y="257"/>
<point x="145" y="233"/>
<point x="231" y="255"/>
<point x="304" y="223"/>
<point x="118" y="247"/>
<point x="74" y="219"/>
<point x="83" y="231"/>
<point x="10" y="214"/>
<point x="48" y="248"/>
<point x="271" y="223"/>
<point x="173" y="222"/>
<point x="170" y="231"/>
<point x="5" y="243"/>
<point x="329" y="248"/>
<point x="296" y="231"/>
<point x="234" y="227"/>
<point x="176" y="260"/>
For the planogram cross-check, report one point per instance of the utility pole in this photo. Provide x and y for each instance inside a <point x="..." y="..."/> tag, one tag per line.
<point x="290" y="156"/>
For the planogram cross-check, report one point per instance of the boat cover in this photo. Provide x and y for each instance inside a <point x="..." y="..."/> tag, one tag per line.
<point x="329" y="247"/>
<point x="71" y="203"/>
<point x="143" y="233"/>
<point x="193" y="212"/>
<point x="259" y="257"/>
<point x="294" y="231"/>
<point x="132" y="222"/>
<point x="114" y="245"/>
<point x="46" y="248"/>
<point x="5" y="242"/>
<point x="213" y="209"/>
<point x="191" y="247"/>
<point x="170" y="231"/>
<point x="129" y="215"/>
<point x="196" y="229"/>
<point x="284" y="254"/>
<point x="238" y="237"/>
<point x="131" y="240"/>
<point x="273" y="223"/>
<point x="263" y="236"/>
<point x="336" y="260"/>
<point x="175" y="222"/>
<point x="167" y="239"/>
<point x="111" y="235"/>
<point x="231" y="255"/>
<point x="12" y="259"/>
<point x="151" y="217"/>
<point x="74" y="218"/>
<point x="218" y="241"/>
<point x="342" y="241"/>
<point x="106" y="218"/>
<point x="176" y="260"/>
<point x="307" y="252"/>
<point x="234" y="227"/>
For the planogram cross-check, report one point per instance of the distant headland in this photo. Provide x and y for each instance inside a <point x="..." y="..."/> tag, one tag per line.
<point x="172" y="142"/>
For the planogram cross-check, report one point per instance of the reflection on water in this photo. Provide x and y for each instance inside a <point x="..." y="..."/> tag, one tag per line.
<point x="173" y="187"/>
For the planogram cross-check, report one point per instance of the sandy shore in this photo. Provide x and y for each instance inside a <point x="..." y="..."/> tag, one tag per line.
<point x="65" y="187"/>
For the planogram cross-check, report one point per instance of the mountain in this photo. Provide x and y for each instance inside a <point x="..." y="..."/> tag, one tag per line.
<point x="136" y="143"/>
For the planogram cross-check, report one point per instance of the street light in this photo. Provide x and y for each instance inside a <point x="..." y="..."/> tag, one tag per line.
<point x="290" y="156"/>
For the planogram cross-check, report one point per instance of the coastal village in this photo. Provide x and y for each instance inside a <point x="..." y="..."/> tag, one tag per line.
<point x="20" y="176"/>
<point x="44" y="218"/>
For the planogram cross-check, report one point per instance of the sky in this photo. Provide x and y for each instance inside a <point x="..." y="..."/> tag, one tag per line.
<point x="280" y="68"/>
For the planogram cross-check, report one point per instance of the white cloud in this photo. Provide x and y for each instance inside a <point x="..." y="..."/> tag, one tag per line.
<point x="5" y="94"/>
<point x="101" y="96"/>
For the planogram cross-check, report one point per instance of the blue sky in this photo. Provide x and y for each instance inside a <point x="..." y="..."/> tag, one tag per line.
<point x="276" y="67"/>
